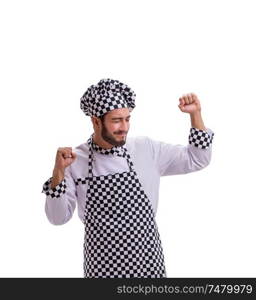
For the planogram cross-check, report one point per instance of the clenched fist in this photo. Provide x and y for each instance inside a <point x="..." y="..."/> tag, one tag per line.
<point x="64" y="158"/>
<point x="189" y="103"/>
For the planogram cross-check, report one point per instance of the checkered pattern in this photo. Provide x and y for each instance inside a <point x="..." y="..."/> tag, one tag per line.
<point x="81" y="180"/>
<point x="200" y="138"/>
<point x="116" y="150"/>
<point x="121" y="235"/>
<point x="107" y="95"/>
<point x="57" y="191"/>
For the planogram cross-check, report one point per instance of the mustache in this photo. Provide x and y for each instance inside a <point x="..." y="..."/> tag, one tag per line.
<point x="120" y="132"/>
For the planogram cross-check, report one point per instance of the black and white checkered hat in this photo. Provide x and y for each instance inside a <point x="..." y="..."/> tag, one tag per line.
<point x="106" y="95"/>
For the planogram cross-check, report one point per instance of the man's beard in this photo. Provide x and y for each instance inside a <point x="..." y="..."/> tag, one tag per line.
<point x="107" y="137"/>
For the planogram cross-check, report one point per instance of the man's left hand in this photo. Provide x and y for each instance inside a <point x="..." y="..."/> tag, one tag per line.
<point x="189" y="103"/>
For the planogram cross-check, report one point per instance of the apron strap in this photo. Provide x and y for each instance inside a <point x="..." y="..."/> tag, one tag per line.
<point x="126" y="155"/>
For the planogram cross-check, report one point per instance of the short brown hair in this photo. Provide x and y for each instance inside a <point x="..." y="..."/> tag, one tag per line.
<point x="102" y="117"/>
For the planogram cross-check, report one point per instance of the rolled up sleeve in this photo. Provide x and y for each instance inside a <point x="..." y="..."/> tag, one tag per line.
<point x="60" y="201"/>
<point x="177" y="159"/>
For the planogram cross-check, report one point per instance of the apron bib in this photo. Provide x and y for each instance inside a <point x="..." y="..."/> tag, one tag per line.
<point x="121" y="238"/>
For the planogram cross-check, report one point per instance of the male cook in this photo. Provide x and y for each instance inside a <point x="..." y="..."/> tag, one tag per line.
<point x="114" y="181"/>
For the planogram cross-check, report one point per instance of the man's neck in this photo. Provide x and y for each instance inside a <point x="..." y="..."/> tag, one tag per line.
<point x="100" y="142"/>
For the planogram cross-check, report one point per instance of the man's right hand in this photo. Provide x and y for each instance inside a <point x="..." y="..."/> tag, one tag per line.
<point x="64" y="158"/>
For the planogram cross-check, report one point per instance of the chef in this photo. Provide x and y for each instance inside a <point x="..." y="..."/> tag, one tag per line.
<point x="114" y="181"/>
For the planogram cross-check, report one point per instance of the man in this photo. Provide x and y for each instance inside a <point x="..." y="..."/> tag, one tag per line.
<point x="114" y="180"/>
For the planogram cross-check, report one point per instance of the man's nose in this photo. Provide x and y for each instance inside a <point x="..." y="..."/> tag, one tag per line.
<point x="124" y="126"/>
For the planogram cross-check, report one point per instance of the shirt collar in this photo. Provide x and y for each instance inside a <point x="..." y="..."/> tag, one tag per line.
<point x="115" y="150"/>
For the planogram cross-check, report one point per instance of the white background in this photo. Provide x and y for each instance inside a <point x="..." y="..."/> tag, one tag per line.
<point x="52" y="51"/>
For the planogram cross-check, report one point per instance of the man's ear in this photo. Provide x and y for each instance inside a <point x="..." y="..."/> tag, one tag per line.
<point x="95" y="121"/>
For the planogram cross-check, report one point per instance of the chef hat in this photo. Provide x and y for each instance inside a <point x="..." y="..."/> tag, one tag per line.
<point x="106" y="95"/>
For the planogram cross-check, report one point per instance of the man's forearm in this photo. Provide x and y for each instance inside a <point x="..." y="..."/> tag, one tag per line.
<point x="197" y="121"/>
<point x="57" y="177"/>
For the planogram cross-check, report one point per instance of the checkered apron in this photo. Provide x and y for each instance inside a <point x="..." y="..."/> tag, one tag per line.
<point x="121" y="238"/>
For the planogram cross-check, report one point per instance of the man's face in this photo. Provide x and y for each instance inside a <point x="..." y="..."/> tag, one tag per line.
<point x="115" y="126"/>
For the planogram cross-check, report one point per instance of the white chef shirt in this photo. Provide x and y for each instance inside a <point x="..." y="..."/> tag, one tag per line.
<point x="151" y="159"/>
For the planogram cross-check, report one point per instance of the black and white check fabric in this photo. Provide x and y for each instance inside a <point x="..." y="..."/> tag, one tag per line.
<point x="121" y="236"/>
<point x="200" y="138"/>
<point x="106" y="95"/>
<point x="57" y="191"/>
<point x="116" y="150"/>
